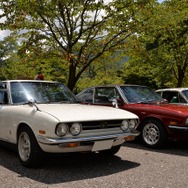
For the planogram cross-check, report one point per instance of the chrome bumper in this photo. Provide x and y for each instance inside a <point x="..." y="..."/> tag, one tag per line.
<point x="57" y="141"/>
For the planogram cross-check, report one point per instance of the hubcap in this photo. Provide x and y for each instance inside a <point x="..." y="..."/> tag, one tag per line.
<point x="24" y="146"/>
<point x="151" y="134"/>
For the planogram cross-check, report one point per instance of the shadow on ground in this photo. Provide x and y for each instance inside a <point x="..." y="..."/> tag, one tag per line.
<point x="174" y="148"/>
<point x="61" y="168"/>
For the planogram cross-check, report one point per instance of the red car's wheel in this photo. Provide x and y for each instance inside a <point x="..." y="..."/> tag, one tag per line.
<point x="153" y="134"/>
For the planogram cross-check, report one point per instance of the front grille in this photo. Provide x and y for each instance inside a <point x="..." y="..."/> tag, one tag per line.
<point x="101" y="124"/>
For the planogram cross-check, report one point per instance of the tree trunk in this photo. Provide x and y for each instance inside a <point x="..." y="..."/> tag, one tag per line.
<point x="181" y="76"/>
<point x="72" y="76"/>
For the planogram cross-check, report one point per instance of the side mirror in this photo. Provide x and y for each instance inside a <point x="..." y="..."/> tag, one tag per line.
<point x="32" y="102"/>
<point x="115" y="103"/>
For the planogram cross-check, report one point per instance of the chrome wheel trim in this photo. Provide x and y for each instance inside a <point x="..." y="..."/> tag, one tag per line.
<point x="151" y="133"/>
<point x="24" y="146"/>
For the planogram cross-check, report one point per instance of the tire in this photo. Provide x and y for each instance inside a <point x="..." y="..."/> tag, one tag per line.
<point x="29" y="152"/>
<point x="110" y="152"/>
<point x="153" y="134"/>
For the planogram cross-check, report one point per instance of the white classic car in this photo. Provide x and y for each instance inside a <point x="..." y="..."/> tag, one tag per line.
<point x="45" y="116"/>
<point x="174" y="95"/>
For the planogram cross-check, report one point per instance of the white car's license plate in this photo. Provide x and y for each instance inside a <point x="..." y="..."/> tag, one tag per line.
<point x="102" y="145"/>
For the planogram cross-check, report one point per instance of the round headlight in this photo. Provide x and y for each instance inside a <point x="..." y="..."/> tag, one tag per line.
<point x="125" y="125"/>
<point x="132" y="124"/>
<point x="75" y="129"/>
<point x="61" y="129"/>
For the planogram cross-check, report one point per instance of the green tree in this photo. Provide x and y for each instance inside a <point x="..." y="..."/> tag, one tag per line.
<point x="161" y="46"/>
<point x="80" y="30"/>
<point x="105" y="70"/>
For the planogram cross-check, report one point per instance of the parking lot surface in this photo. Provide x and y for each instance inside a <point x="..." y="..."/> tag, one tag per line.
<point x="134" y="166"/>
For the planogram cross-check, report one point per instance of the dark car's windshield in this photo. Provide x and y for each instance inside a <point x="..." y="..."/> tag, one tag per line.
<point x="41" y="92"/>
<point x="140" y="94"/>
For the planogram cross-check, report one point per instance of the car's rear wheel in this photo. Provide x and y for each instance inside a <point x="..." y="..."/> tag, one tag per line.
<point x="110" y="152"/>
<point x="153" y="134"/>
<point x="29" y="152"/>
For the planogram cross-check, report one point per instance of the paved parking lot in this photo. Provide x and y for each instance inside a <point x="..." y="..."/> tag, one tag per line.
<point x="134" y="166"/>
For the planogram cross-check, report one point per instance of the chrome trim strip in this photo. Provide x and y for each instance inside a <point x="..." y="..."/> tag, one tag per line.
<point x="178" y="128"/>
<point x="56" y="141"/>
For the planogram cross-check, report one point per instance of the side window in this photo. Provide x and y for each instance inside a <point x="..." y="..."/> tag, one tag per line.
<point x="86" y="96"/>
<point x="105" y="95"/>
<point x="3" y="86"/>
<point x="181" y="99"/>
<point x="3" y="97"/>
<point x="171" y="97"/>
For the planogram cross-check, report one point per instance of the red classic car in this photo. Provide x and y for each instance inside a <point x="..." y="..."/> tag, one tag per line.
<point x="159" y="120"/>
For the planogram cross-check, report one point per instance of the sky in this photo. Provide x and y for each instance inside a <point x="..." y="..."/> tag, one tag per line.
<point x="5" y="33"/>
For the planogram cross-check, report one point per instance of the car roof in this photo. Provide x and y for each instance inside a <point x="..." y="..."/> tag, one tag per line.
<point x="173" y="89"/>
<point x="29" y="81"/>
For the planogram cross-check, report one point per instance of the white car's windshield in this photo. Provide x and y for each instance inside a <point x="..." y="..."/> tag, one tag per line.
<point x="41" y="92"/>
<point x="140" y="94"/>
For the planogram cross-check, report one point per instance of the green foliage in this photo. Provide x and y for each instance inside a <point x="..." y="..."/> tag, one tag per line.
<point x="106" y="70"/>
<point x="161" y="45"/>
<point x="81" y="31"/>
<point x="84" y="43"/>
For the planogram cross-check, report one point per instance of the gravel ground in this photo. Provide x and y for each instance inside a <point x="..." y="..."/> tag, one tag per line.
<point x="134" y="166"/>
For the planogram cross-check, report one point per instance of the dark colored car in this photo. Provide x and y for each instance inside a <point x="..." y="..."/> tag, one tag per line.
<point x="159" y="120"/>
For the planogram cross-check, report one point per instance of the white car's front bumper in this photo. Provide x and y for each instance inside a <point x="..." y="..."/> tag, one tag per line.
<point x="92" y="143"/>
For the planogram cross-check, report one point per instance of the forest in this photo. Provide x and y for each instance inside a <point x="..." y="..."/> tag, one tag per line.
<point x="84" y="43"/>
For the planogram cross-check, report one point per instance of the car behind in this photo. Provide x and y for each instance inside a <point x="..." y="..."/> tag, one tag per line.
<point x="159" y="120"/>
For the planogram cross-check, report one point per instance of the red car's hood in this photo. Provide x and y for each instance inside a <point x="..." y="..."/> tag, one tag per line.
<point x="175" y="107"/>
<point x="183" y="109"/>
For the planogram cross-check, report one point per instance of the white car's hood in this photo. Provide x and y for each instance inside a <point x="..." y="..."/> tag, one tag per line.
<point x="80" y="112"/>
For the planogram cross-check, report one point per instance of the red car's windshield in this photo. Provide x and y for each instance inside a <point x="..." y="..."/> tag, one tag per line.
<point x="140" y="94"/>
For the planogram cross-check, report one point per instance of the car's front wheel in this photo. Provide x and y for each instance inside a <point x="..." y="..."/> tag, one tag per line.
<point x="153" y="134"/>
<point x="29" y="152"/>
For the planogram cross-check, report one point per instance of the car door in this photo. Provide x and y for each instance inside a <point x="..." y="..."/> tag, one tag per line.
<point x="105" y="95"/>
<point x="3" y="106"/>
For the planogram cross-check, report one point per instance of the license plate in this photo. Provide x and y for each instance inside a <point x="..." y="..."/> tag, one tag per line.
<point x="102" y="145"/>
